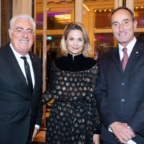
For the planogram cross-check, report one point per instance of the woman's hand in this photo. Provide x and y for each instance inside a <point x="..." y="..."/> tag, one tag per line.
<point x="96" y="139"/>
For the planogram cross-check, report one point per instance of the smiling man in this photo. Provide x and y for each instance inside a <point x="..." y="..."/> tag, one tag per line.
<point x="20" y="84"/>
<point x="119" y="89"/>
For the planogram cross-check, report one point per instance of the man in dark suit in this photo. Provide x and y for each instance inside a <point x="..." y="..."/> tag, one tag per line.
<point x="20" y="85"/>
<point x="119" y="90"/>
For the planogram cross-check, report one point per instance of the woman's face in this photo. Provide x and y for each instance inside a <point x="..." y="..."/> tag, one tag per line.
<point x="75" y="42"/>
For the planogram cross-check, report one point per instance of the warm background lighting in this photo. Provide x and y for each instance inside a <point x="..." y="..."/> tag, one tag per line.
<point x="86" y="7"/>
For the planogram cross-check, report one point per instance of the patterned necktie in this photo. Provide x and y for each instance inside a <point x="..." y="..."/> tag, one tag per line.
<point x="28" y="75"/>
<point x="125" y="58"/>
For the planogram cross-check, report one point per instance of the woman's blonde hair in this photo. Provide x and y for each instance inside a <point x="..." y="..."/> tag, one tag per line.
<point x="75" y="26"/>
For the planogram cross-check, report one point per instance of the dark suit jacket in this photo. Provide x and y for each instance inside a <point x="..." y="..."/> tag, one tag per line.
<point x="19" y="110"/>
<point x="120" y="95"/>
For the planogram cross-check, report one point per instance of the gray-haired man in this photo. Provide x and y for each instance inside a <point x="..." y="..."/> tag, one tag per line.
<point x="20" y="85"/>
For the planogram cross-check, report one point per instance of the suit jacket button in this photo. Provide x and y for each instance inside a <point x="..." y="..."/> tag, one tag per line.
<point x="29" y="115"/>
<point x="122" y="100"/>
<point x="122" y="83"/>
<point x="120" y="117"/>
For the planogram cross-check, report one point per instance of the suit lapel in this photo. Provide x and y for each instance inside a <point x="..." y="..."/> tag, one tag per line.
<point x="15" y="66"/>
<point x="116" y="60"/>
<point x="33" y="60"/>
<point x="135" y="55"/>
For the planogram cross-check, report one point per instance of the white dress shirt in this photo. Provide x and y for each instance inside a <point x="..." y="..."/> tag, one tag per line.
<point x="21" y="64"/>
<point x="129" y="48"/>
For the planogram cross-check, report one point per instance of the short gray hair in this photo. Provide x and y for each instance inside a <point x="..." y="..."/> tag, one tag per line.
<point x="27" y="17"/>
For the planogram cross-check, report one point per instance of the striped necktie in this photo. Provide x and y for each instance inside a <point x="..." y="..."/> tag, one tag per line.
<point x="125" y="58"/>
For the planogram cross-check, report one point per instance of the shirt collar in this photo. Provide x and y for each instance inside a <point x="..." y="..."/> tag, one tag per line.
<point x="17" y="55"/>
<point x="129" y="46"/>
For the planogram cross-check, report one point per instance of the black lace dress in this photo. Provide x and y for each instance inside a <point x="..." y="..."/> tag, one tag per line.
<point x="73" y="117"/>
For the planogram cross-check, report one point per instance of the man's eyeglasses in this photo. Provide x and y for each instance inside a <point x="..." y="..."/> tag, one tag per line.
<point x="21" y="31"/>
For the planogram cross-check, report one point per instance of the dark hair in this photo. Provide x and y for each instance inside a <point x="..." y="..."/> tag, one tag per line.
<point x="48" y="43"/>
<point x="125" y="8"/>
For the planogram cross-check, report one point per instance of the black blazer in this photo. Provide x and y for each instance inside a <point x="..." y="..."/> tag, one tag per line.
<point x="120" y="95"/>
<point x="17" y="106"/>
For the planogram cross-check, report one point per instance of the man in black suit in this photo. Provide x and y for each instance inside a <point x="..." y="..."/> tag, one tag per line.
<point x="20" y="85"/>
<point x="119" y="90"/>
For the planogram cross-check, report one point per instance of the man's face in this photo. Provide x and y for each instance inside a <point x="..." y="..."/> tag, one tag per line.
<point x="123" y="26"/>
<point x="22" y="36"/>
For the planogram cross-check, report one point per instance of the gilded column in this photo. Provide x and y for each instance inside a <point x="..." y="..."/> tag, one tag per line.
<point x="130" y="4"/>
<point x="79" y="11"/>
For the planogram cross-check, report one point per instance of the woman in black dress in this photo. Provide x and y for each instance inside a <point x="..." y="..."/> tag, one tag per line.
<point x="73" y="118"/>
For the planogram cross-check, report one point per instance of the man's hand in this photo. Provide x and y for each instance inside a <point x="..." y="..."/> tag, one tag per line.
<point x="122" y="132"/>
<point x="96" y="139"/>
<point x="34" y="133"/>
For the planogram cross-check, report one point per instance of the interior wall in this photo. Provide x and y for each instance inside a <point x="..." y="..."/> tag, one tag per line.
<point x="9" y="16"/>
<point x="22" y="7"/>
<point x="6" y="15"/>
<point x="4" y="22"/>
